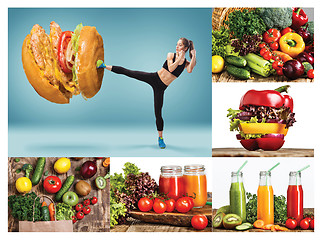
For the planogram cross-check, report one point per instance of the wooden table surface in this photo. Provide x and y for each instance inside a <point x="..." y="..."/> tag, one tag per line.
<point x="96" y="221"/>
<point x="225" y="77"/>
<point x="305" y="210"/>
<point x="241" y="152"/>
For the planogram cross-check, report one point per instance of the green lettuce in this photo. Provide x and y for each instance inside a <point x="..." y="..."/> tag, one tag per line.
<point x="74" y="40"/>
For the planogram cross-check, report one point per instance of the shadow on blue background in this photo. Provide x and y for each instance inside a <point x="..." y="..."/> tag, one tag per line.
<point x="119" y="120"/>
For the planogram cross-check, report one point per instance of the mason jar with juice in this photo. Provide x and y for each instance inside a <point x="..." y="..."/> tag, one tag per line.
<point x="171" y="181"/>
<point x="195" y="183"/>
<point x="237" y="195"/>
<point x="265" y="198"/>
<point x="295" y="197"/>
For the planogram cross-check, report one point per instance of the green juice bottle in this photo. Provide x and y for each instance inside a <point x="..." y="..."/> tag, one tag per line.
<point x="237" y="195"/>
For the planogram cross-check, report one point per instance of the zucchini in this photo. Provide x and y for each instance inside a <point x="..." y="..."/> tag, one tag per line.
<point x="236" y="61"/>
<point x="38" y="170"/>
<point x="237" y="72"/>
<point x="66" y="186"/>
<point x="45" y="213"/>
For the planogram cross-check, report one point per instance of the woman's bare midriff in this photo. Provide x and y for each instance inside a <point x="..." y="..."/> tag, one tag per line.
<point x="166" y="77"/>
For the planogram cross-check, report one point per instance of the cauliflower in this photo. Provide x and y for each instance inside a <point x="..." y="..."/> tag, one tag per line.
<point x="279" y="18"/>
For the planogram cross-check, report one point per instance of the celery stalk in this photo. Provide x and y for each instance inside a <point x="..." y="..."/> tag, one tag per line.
<point x="258" y="64"/>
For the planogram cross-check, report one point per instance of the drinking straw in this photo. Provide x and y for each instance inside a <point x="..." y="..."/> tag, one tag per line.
<point x="303" y="168"/>
<point x="271" y="170"/>
<point x="241" y="167"/>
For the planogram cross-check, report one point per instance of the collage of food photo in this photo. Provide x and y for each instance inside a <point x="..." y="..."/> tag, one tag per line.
<point x="117" y="125"/>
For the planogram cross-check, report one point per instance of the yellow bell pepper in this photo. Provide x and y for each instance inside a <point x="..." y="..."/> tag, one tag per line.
<point x="292" y="44"/>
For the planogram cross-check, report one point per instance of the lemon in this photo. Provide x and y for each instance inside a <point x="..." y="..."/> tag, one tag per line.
<point x="62" y="165"/>
<point x="23" y="185"/>
<point x="218" y="64"/>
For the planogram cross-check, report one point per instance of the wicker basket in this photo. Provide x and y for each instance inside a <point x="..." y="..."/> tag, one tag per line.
<point x="219" y="15"/>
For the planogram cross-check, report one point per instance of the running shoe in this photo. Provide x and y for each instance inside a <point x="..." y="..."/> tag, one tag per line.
<point x="161" y="143"/>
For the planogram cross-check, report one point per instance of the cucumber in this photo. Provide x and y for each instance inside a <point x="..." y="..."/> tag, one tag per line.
<point x="45" y="213"/>
<point x="38" y="170"/>
<point x="66" y="186"/>
<point x="236" y="61"/>
<point x="237" y="72"/>
<point x="244" y="226"/>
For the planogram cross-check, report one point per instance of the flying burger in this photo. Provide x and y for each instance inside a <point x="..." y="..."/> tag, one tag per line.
<point x="63" y="64"/>
<point x="263" y="119"/>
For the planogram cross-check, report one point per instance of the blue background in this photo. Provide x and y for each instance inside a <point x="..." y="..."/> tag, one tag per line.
<point x="119" y="120"/>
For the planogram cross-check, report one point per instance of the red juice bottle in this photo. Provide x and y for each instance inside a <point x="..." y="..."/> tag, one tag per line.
<point x="171" y="181"/>
<point x="295" y="197"/>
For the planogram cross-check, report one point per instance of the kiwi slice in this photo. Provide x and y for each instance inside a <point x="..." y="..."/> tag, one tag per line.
<point x="230" y="221"/>
<point x="218" y="220"/>
<point x="244" y="226"/>
<point x="224" y="209"/>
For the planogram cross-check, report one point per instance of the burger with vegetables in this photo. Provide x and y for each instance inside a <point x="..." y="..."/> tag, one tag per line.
<point x="263" y="119"/>
<point x="63" y="64"/>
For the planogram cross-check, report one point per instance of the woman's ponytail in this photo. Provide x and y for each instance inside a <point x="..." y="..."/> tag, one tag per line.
<point x="191" y="47"/>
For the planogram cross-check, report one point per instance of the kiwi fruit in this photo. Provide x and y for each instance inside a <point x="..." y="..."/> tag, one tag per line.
<point x="230" y="221"/>
<point x="218" y="220"/>
<point x="224" y="209"/>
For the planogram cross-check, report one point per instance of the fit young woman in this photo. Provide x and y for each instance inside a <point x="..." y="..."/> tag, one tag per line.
<point x="160" y="80"/>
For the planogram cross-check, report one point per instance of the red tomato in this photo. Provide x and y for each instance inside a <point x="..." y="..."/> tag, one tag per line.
<point x="271" y="35"/>
<point x="159" y="206"/>
<point x="274" y="46"/>
<point x="280" y="72"/>
<point x="170" y="205"/>
<point x="183" y="205"/>
<point x="277" y="65"/>
<point x="267" y="56"/>
<point x="304" y="224"/>
<point x="86" y="210"/>
<point x="291" y="223"/>
<point x="74" y="219"/>
<point x="80" y="215"/>
<point x="270" y="144"/>
<point x="78" y="207"/>
<point x="93" y="200"/>
<point x="308" y="218"/>
<point x="87" y="202"/>
<point x="263" y="51"/>
<point x="52" y="184"/>
<point x="145" y="204"/>
<point x="262" y="45"/>
<point x="190" y="199"/>
<point x="276" y="58"/>
<point x="199" y="222"/>
<point x="312" y="224"/>
<point x="286" y="30"/>
<point x="61" y="51"/>
<point x="310" y="73"/>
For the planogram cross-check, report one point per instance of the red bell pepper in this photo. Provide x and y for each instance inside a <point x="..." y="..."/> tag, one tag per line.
<point x="299" y="18"/>
<point x="267" y="98"/>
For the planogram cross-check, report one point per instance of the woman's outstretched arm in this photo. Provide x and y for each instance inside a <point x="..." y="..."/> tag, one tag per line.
<point x="192" y="63"/>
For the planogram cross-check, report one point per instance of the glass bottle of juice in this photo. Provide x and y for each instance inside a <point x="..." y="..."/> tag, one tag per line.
<point x="195" y="183"/>
<point x="171" y="182"/>
<point x="265" y="198"/>
<point x="237" y="195"/>
<point x="295" y="197"/>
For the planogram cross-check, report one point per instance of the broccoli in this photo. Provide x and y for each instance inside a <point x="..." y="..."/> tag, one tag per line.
<point x="27" y="168"/>
<point x="279" y="18"/>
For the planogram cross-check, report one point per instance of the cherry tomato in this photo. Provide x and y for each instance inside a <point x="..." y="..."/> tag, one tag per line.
<point x="286" y="30"/>
<point x="277" y="65"/>
<point x="308" y="218"/>
<point x="78" y="207"/>
<point x="280" y="72"/>
<point x="271" y="35"/>
<point x="262" y="45"/>
<point x="268" y="55"/>
<point x="263" y="51"/>
<point x="170" y="205"/>
<point x="86" y="210"/>
<point x="310" y="73"/>
<point x="93" y="200"/>
<point x="74" y="218"/>
<point x="145" y="204"/>
<point x="312" y="224"/>
<point x="249" y="144"/>
<point x="199" y="222"/>
<point x="183" y="205"/>
<point x="270" y="144"/>
<point x="304" y="224"/>
<point x="274" y="46"/>
<point x="64" y="39"/>
<point x="80" y="215"/>
<point x="52" y="184"/>
<point x="276" y="58"/>
<point x="291" y="223"/>
<point x="159" y="206"/>
<point x="87" y="202"/>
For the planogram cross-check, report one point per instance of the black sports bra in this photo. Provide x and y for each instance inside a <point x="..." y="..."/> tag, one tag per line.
<point x="179" y="69"/>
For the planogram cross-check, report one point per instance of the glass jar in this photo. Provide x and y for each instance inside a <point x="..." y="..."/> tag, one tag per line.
<point x="195" y="183"/>
<point x="295" y="197"/>
<point x="265" y="198"/>
<point x="237" y="195"/>
<point x="171" y="181"/>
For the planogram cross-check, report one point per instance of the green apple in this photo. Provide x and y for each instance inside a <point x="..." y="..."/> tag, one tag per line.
<point x="70" y="198"/>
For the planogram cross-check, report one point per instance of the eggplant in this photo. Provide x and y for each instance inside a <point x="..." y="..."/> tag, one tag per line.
<point x="293" y="69"/>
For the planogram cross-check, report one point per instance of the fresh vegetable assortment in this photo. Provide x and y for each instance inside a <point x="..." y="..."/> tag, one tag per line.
<point x="263" y="119"/>
<point x="273" y="41"/>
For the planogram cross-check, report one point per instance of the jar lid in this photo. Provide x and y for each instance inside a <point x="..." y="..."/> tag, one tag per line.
<point x="234" y="174"/>
<point x="294" y="174"/>
<point x="171" y="169"/>
<point x="265" y="173"/>
<point x="194" y="168"/>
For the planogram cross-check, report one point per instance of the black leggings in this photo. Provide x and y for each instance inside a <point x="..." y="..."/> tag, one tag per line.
<point x="157" y="85"/>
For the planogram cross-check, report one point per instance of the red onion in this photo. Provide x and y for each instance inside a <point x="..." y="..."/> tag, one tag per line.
<point x="88" y="169"/>
<point x="273" y="135"/>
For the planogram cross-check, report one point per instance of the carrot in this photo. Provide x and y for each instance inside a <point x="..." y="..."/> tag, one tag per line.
<point x="52" y="212"/>
<point x="284" y="56"/>
<point x="268" y="226"/>
<point x="44" y="204"/>
<point x="259" y="223"/>
<point x="106" y="162"/>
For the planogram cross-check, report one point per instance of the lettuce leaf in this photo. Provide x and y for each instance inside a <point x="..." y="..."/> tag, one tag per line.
<point x="74" y="40"/>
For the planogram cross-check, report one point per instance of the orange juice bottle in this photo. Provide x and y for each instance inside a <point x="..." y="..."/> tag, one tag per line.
<point x="195" y="184"/>
<point x="265" y="198"/>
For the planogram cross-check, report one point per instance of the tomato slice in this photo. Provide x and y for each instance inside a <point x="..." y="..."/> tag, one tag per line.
<point x="249" y="144"/>
<point x="270" y="144"/>
<point x="62" y="46"/>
